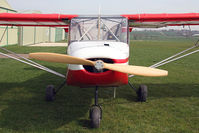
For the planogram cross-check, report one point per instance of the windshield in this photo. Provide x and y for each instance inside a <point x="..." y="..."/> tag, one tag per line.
<point x="94" y="28"/>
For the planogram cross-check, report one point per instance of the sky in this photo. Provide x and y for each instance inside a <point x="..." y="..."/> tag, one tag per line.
<point x="107" y="6"/>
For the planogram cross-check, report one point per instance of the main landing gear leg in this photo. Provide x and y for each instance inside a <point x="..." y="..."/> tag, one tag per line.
<point x="51" y="91"/>
<point x="141" y="92"/>
<point x="95" y="112"/>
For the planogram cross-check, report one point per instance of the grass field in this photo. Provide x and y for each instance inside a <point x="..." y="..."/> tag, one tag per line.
<point x="172" y="106"/>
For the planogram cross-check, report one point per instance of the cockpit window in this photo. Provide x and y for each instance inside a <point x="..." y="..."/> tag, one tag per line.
<point x="99" y="28"/>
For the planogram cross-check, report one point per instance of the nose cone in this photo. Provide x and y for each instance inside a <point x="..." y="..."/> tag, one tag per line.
<point x="99" y="65"/>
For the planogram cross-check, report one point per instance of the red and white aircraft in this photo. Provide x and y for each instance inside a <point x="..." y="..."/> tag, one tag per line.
<point x="98" y="48"/>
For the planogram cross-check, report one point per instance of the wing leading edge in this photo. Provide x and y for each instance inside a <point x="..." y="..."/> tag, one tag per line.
<point x="162" y="20"/>
<point x="20" y="19"/>
<point x="135" y="20"/>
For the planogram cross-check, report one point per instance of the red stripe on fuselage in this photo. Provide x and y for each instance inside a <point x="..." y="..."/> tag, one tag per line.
<point x="120" y="60"/>
<point x="84" y="78"/>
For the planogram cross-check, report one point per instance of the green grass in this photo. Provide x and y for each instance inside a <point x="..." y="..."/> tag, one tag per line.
<point x="160" y="35"/>
<point x="172" y="106"/>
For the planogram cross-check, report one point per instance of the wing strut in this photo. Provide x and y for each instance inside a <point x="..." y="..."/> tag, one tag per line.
<point x="25" y="60"/>
<point x="31" y="64"/>
<point x="174" y="57"/>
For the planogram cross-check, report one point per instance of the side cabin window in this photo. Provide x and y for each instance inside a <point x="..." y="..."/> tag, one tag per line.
<point x="94" y="28"/>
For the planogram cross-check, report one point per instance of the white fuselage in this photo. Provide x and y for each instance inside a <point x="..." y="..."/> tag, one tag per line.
<point x="98" y="49"/>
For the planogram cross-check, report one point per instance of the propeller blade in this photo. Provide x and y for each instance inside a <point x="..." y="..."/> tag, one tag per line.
<point x="136" y="70"/>
<point x="60" y="58"/>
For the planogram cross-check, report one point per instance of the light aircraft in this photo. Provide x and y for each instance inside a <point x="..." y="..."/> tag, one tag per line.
<point x="98" y="49"/>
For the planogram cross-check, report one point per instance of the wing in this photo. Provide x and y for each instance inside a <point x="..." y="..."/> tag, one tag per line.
<point x="162" y="20"/>
<point x="19" y="19"/>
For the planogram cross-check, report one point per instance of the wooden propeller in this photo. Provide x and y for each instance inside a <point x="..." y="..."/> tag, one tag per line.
<point x="136" y="70"/>
<point x="130" y="69"/>
<point x="60" y="58"/>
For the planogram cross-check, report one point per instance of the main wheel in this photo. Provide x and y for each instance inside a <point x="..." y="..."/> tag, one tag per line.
<point x="95" y="116"/>
<point x="50" y="93"/>
<point x="142" y="93"/>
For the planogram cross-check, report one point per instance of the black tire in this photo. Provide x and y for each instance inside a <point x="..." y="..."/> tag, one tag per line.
<point x="142" y="93"/>
<point x="95" y="116"/>
<point x="50" y="93"/>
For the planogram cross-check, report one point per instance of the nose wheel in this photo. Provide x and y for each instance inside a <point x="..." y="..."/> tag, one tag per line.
<point x="95" y="116"/>
<point x="95" y="112"/>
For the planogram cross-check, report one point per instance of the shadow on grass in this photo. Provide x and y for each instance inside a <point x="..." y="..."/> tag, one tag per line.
<point x="24" y="107"/>
<point x="155" y="91"/>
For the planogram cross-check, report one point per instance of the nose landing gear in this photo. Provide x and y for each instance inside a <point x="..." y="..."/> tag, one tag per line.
<point x="95" y="112"/>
